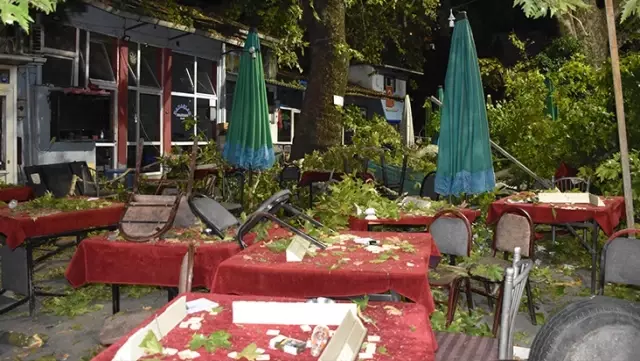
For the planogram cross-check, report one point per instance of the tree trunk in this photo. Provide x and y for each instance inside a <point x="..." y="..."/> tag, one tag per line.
<point x="320" y="126"/>
<point x="590" y="27"/>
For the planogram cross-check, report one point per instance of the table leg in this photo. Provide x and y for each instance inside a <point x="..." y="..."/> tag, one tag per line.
<point x="172" y="292"/>
<point x="115" y="298"/>
<point x="594" y="256"/>
<point x="30" y="288"/>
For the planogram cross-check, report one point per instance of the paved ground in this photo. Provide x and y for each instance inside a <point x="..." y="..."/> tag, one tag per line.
<point x="76" y="338"/>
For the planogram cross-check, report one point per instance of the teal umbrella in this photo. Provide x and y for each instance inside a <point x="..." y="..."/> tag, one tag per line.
<point x="464" y="155"/>
<point x="551" y="107"/>
<point x="248" y="144"/>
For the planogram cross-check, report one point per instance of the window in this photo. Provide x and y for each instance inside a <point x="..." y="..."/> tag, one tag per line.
<point x="59" y="37"/>
<point x="58" y="71"/>
<point x="183" y="73"/>
<point x="102" y="57"/>
<point x="148" y="117"/>
<point x="69" y="119"/>
<point x="390" y="83"/>
<point x="193" y="95"/>
<point x="145" y="104"/>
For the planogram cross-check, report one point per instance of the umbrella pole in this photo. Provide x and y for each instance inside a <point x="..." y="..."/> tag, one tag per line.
<point x="622" y="128"/>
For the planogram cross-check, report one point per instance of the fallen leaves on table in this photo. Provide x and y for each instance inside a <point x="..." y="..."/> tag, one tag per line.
<point x="383" y="257"/>
<point x="218" y="339"/>
<point x="249" y="353"/>
<point x="279" y="245"/>
<point x="150" y="344"/>
<point x="216" y="310"/>
<point x="393" y="311"/>
<point x="382" y="350"/>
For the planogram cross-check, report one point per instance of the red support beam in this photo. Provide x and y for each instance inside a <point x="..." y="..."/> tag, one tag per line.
<point x="166" y="99"/>
<point x="122" y="80"/>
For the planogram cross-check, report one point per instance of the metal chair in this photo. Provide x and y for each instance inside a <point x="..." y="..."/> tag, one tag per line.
<point x="395" y="187"/>
<point x="451" y="231"/>
<point x="567" y="184"/>
<point x="620" y="261"/>
<point x="428" y="188"/>
<point x="515" y="282"/>
<point x="462" y="347"/>
<point x="290" y="174"/>
<point x="514" y="230"/>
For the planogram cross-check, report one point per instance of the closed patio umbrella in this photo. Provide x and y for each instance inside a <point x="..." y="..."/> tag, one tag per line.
<point x="406" y="124"/>
<point x="464" y="157"/>
<point x="248" y="144"/>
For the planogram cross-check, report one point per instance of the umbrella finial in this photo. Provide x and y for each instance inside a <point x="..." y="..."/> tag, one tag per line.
<point x="452" y="18"/>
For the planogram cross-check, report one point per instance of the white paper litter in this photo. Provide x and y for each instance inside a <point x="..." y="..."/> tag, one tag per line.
<point x="305" y="328"/>
<point x="188" y="355"/>
<point x="263" y="357"/>
<point x="365" y="356"/>
<point x="200" y="305"/>
<point x="409" y="264"/>
<point x="169" y="351"/>
<point x="273" y="332"/>
<point x="373" y="338"/>
<point x="233" y="355"/>
<point x="259" y="350"/>
<point x="195" y="326"/>
<point x="184" y="325"/>
<point x="371" y="348"/>
<point x="364" y="240"/>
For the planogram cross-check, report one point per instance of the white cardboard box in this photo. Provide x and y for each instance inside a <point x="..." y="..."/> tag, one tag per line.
<point x="290" y="313"/>
<point x="570" y="198"/>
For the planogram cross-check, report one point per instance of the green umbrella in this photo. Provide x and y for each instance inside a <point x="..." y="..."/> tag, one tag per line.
<point x="248" y="144"/>
<point x="551" y="107"/>
<point x="464" y="155"/>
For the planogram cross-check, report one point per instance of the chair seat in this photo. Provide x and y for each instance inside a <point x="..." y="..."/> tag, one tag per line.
<point x="445" y="275"/>
<point x="461" y="347"/>
<point x="232" y="207"/>
<point x="487" y="261"/>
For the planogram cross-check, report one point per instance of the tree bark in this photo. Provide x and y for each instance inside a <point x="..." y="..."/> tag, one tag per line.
<point x="320" y="126"/>
<point x="590" y="27"/>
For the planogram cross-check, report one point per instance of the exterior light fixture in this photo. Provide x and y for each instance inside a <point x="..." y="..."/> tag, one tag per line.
<point x="452" y="19"/>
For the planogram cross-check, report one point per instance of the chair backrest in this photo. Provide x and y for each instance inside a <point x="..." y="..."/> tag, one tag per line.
<point x="514" y="284"/>
<point x="514" y="229"/>
<point x="289" y="174"/>
<point x="428" y="188"/>
<point x="35" y="180"/>
<point x="229" y="178"/>
<point x="88" y="186"/>
<point x="621" y="260"/>
<point x="398" y="187"/>
<point x="451" y="231"/>
<point x="213" y="214"/>
<point x="566" y="184"/>
<point x="58" y="178"/>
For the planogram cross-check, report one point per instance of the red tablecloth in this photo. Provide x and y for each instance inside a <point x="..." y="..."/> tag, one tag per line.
<point x="19" y="193"/>
<point x="259" y="271"/>
<point x="98" y="260"/>
<point x="607" y="217"/>
<point x="361" y="224"/>
<point x="310" y="177"/>
<point x="407" y="337"/>
<point x="17" y="228"/>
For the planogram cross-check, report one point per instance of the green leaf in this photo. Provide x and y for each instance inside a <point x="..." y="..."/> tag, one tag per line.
<point x="218" y="339"/>
<point x="150" y="344"/>
<point x="382" y="350"/>
<point x="630" y="8"/>
<point x="250" y="352"/>
<point x="217" y="309"/>
<point x="362" y="303"/>
<point x="197" y="341"/>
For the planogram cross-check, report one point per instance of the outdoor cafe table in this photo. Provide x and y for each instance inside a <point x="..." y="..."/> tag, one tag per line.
<point x="405" y="220"/>
<point x="99" y="260"/>
<point x="23" y="233"/>
<point x="406" y="337"/>
<point x="339" y="271"/>
<point x="584" y="216"/>
<point x="19" y="193"/>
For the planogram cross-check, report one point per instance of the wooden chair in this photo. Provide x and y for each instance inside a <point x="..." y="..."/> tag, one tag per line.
<point x="462" y="347"/>
<point x="451" y="231"/>
<point x="620" y="261"/>
<point x="514" y="230"/>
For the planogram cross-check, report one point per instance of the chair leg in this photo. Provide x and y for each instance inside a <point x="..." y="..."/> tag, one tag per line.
<point x="467" y="289"/>
<point x="498" y="313"/>
<point x="553" y="235"/>
<point x="532" y="310"/>
<point x="454" y="293"/>
<point x="487" y="288"/>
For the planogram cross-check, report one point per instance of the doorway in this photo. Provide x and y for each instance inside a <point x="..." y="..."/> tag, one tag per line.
<point x="8" y="144"/>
